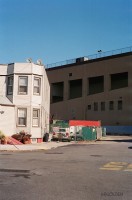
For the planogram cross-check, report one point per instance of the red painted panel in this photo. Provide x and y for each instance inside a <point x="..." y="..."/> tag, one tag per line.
<point x="39" y="140"/>
<point x="84" y="123"/>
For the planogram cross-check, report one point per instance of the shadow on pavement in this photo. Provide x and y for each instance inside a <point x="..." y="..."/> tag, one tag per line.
<point x="119" y="140"/>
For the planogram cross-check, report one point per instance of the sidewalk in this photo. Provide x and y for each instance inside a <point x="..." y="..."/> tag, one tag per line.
<point x="42" y="146"/>
<point x="54" y="144"/>
<point x="32" y="147"/>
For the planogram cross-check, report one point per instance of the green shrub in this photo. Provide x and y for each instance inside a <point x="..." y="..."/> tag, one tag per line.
<point x="2" y="136"/>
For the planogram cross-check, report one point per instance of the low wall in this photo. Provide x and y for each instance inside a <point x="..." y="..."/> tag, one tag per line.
<point x="118" y="130"/>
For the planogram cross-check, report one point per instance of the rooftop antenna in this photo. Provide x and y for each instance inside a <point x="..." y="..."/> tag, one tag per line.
<point x="29" y="60"/>
<point x="39" y="62"/>
<point x="99" y="51"/>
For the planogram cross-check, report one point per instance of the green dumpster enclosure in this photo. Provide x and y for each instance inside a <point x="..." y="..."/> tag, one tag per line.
<point x="89" y="133"/>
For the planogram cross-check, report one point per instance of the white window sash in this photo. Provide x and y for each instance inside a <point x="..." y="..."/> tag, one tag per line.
<point x="23" y="84"/>
<point x="36" y="117"/>
<point x="10" y="85"/>
<point x="23" y="81"/>
<point x="36" y="89"/>
<point x="22" y="117"/>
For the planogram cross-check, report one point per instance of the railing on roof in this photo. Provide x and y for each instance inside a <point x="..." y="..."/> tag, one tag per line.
<point x="100" y="54"/>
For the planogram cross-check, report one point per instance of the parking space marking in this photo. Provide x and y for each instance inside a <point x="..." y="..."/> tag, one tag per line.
<point x="129" y="168"/>
<point x="110" y="168"/>
<point x="117" y="166"/>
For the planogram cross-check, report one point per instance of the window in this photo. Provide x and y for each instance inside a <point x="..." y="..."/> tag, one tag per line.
<point x="89" y="107"/>
<point x="10" y="85"/>
<point x="102" y="106"/>
<point x="36" y="86"/>
<point x="120" y="105"/>
<point x="23" y="84"/>
<point x="22" y="116"/>
<point x="36" y="117"/>
<point x="111" y="105"/>
<point x="95" y="106"/>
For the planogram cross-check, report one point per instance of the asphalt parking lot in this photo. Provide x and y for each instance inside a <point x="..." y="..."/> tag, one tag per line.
<point x="81" y="171"/>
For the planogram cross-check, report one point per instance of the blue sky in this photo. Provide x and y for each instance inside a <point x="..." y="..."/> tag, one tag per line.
<point x="57" y="30"/>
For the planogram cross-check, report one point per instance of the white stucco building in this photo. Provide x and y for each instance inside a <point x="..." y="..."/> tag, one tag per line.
<point x="24" y="99"/>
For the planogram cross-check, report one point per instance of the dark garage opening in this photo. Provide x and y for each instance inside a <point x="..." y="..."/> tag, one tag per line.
<point x="96" y="84"/>
<point x="119" y="80"/>
<point x="57" y="92"/>
<point x="75" y="88"/>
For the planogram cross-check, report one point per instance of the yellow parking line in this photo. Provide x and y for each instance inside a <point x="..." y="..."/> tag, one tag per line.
<point x="119" y="163"/>
<point x="111" y="165"/>
<point x="115" y="166"/>
<point x="129" y="168"/>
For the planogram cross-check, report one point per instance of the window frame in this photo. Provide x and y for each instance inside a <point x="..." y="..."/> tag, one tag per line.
<point x="96" y="106"/>
<point x="18" y="124"/>
<point x="102" y="105"/>
<point x="120" y="105"/>
<point x="10" y="85"/>
<point x="38" y="117"/>
<point x="19" y="92"/>
<point x="89" y="107"/>
<point x="111" y="105"/>
<point x="39" y="86"/>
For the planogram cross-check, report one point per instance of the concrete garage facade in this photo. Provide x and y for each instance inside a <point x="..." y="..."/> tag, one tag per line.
<point x="98" y="88"/>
